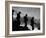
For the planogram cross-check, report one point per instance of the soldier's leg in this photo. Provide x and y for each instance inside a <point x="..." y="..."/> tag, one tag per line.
<point x="39" y="28"/>
<point x="32" y="27"/>
<point x="25" y="24"/>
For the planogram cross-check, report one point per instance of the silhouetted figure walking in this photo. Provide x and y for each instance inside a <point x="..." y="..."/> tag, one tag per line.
<point x="25" y="20"/>
<point x="32" y="23"/>
<point x="18" y="20"/>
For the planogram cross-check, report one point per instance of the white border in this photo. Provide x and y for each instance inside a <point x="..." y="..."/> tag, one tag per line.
<point x="24" y="32"/>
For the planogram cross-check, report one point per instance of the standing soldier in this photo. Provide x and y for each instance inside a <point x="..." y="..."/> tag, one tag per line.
<point x="18" y="20"/>
<point x="32" y="23"/>
<point x="25" y="20"/>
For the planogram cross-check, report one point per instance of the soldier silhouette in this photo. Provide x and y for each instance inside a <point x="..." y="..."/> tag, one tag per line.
<point x="13" y="22"/>
<point x="25" y="20"/>
<point x="12" y="12"/>
<point x="18" y="20"/>
<point x="32" y="23"/>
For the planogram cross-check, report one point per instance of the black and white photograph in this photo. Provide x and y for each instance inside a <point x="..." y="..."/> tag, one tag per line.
<point x="25" y="18"/>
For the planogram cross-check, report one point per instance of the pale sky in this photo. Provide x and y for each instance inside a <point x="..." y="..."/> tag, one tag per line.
<point x="27" y="10"/>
